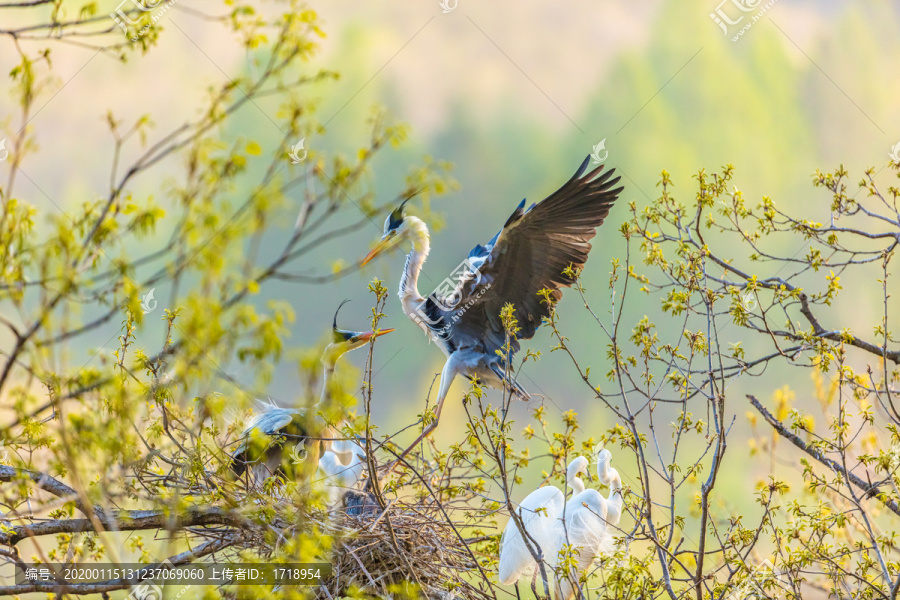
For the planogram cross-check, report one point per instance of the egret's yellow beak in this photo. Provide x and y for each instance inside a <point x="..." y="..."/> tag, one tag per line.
<point x="382" y="245"/>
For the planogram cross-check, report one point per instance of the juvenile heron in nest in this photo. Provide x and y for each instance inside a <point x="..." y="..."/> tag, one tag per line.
<point x="289" y="440"/>
<point x="528" y="255"/>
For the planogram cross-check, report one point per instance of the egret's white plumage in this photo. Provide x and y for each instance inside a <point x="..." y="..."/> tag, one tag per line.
<point x="579" y="526"/>
<point x="340" y="477"/>
<point x="586" y="526"/>
<point x="342" y="480"/>
<point x="540" y="512"/>
<point x="345" y="449"/>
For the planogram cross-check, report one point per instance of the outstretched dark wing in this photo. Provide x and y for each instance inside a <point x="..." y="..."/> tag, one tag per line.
<point x="529" y="254"/>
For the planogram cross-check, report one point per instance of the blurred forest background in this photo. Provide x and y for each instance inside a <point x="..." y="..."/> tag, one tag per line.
<point x="514" y="95"/>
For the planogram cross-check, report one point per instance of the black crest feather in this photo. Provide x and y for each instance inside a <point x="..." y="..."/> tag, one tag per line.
<point x="334" y="323"/>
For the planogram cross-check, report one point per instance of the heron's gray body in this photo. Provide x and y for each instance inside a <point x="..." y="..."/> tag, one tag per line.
<point x="532" y="252"/>
<point x="271" y="418"/>
<point x="274" y="426"/>
<point x="281" y="426"/>
<point x="541" y="248"/>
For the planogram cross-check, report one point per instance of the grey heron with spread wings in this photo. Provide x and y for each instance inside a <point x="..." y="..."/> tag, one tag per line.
<point x="529" y="254"/>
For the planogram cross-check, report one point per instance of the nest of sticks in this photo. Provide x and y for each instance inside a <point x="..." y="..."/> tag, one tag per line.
<point x="376" y="551"/>
<point x="416" y="545"/>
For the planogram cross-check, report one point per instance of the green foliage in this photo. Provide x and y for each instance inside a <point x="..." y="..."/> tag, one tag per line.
<point x="147" y="423"/>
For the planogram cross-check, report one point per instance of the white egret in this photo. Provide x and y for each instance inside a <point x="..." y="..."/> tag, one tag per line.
<point x="585" y="530"/>
<point x="339" y="476"/>
<point x="579" y="526"/>
<point x="343" y="479"/>
<point x="539" y="512"/>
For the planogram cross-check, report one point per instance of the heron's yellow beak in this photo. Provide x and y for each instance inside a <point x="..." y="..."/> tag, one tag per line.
<point x="382" y="245"/>
<point x="370" y="334"/>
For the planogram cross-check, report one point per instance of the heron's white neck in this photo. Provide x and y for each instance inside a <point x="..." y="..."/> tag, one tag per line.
<point x="421" y="246"/>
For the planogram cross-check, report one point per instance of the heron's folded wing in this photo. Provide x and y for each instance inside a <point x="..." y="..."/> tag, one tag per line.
<point x="269" y="422"/>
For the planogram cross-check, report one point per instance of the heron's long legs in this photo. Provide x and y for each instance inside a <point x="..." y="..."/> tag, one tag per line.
<point x="448" y="374"/>
<point x="425" y="432"/>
